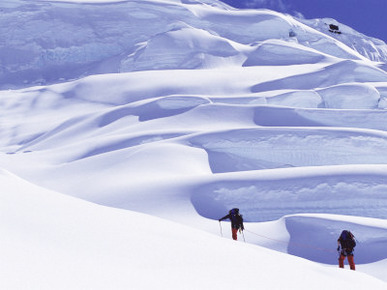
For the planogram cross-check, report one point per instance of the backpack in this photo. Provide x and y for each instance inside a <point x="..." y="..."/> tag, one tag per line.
<point x="235" y="217"/>
<point x="234" y="211"/>
<point x="347" y="240"/>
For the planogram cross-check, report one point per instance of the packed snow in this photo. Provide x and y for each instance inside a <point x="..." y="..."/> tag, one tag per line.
<point x="128" y="128"/>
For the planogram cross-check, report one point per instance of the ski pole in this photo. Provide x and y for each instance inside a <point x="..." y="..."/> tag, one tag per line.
<point x="243" y="235"/>
<point x="221" y="233"/>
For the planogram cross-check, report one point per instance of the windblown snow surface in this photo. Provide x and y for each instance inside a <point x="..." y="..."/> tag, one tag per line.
<point x="128" y="128"/>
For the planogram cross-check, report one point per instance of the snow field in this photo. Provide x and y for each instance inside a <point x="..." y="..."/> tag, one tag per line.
<point x="153" y="118"/>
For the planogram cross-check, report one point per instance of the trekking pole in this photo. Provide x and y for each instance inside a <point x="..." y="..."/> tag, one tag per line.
<point x="220" y="226"/>
<point x="243" y="235"/>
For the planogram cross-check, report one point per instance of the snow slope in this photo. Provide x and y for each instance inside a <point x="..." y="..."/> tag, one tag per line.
<point x="45" y="42"/>
<point x="365" y="16"/>
<point x="184" y="110"/>
<point x="79" y="245"/>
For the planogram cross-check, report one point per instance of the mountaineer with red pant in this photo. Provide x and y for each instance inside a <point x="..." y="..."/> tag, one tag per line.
<point x="236" y="222"/>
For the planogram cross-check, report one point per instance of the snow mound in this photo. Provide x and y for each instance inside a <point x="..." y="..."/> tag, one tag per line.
<point x="297" y="98"/>
<point x="278" y="52"/>
<point x="346" y="71"/>
<point x="351" y="96"/>
<point x="285" y="116"/>
<point x="186" y="48"/>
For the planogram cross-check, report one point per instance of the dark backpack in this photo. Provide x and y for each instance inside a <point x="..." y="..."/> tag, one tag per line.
<point x="234" y="211"/>
<point x="235" y="217"/>
<point x="347" y="240"/>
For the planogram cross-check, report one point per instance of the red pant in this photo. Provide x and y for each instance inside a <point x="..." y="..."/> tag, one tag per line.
<point x="350" y="261"/>
<point x="234" y="234"/>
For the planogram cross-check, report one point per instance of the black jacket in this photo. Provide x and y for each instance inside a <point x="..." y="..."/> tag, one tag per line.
<point x="236" y="220"/>
<point x="347" y="243"/>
